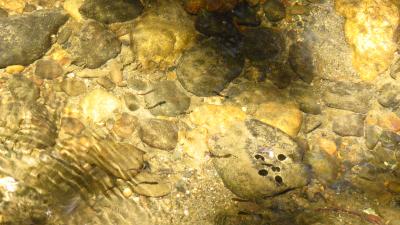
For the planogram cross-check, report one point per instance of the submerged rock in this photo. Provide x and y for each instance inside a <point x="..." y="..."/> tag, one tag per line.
<point x="301" y="61"/>
<point x="306" y="96"/>
<point x="274" y="10"/>
<point x="167" y="99"/>
<point x="26" y="38"/>
<point x="389" y="95"/>
<point x="111" y="11"/>
<point x="3" y="13"/>
<point x="23" y="89"/>
<point x="208" y="67"/>
<point x="217" y="25"/>
<point x="246" y="15"/>
<point x="48" y="69"/>
<point x="161" y="134"/>
<point x="348" y="96"/>
<point x="161" y="34"/>
<point x="73" y="86"/>
<point x="83" y="50"/>
<point x="269" y="160"/>
<point x="99" y="105"/>
<point x="263" y="44"/>
<point x="349" y="125"/>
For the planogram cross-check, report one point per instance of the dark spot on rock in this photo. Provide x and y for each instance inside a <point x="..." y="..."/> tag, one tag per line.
<point x="276" y="169"/>
<point x="263" y="172"/>
<point x="281" y="157"/>
<point x="259" y="157"/>
<point x="278" y="179"/>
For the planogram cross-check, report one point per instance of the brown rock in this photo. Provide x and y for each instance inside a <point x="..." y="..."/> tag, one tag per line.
<point x="125" y="125"/>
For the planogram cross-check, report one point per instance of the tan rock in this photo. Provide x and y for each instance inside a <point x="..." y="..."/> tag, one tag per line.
<point x="370" y="27"/>
<point x="14" y="69"/>
<point x="71" y="126"/>
<point x="14" y="5"/>
<point x="285" y="116"/>
<point x="99" y="105"/>
<point x="116" y="73"/>
<point x="161" y="34"/>
<point x="328" y="146"/>
<point x="72" y="8"/>
<point x="125" y="125"/>
<point x="385" y="119"/>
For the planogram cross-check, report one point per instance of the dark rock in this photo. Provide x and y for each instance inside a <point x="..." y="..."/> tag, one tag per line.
<point x="83" y="50"/>
<point x="349" y="125"/>
<point x="348" y="96"/>
<point x="26" y="38"/>
<point x="274" y="10"/>
<point x="270" y="162"/>
<point x="48" y="69"/>
<point x="3" y="13"/>
<point x="301" y="61"/>
<point x="131" y="101"/>
<point x="306" y="96"/>
<point x="23" y="89"/>
<point x="389" y="95"/>
<point x="263" y="44"/>
<point x="245" y="15"/>
<point x="217" y="25"/>
<point x="160" y="134"/>
<point x="167" y="99"/>
<point x="372" y="134"/>
<point x="111" y="11"/>
<point x="207" y="68"/>
<point x="281" y="74"/>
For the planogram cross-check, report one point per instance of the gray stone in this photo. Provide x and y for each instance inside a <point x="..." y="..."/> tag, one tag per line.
<point x="23" y="89"/>
<point x="167" y="99"/>
<point x="348" y="96"/>
<point x="26" y="38"/>
<point x="389" y="95"/>
<point x="161" y="134"/>
<point x="207" y="68"/>
<point x="93" y="45"/>
<point x="111" y="11"/>
<point x="372" y="134"/>
<point x="270" y="161"/>
<point x="274" y="10"/>
<point x="306" y="96"/>
<point x="48" y="69"/>
<point x="349" y="125"/>
<point x="301" y="61"/>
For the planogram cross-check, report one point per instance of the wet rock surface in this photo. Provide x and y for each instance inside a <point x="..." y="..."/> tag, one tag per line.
<point x="160" y="134"/>
<point x="263" y="44"/>
<point x="349" y="125"/>
<point x="17" y="44"/>
<point x="274" y="10"/>
<point x="48" y="69"/>
<point x="167" y="99"/>
<point x="85" y="53"/>
<point x="108" y="11"/>
<point x="301" y="61"/>
<point x="208" y="67"/>
<point x="270" y="161"/>
<point x="348" y="96"/>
